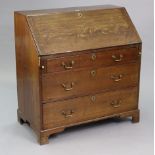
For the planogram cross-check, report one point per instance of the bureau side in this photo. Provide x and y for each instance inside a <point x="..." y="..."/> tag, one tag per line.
<point x="27" y="68"/>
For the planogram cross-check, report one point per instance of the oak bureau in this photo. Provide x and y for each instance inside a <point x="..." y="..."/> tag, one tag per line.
<point x="74" y="66"/>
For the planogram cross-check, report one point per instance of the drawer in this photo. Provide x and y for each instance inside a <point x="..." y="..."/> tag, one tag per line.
<point x="63" y="85"/>
<point x="93" y="58"/>
<point x="72" y="111"/>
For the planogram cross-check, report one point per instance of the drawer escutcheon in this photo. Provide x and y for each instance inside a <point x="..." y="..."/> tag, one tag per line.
<point x="93" y="98"/>
<point x="93" y="57"/>
<point x="93" y="73"/>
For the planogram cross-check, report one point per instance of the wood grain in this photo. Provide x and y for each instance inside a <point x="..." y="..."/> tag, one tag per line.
<point x="84" y="108"/>
<point x="61" y="32"/>
<point x="75" y="66"/>
<point x="27" y="74"/>
<point x="93" y="58"/>
<point x="85" y="83"/>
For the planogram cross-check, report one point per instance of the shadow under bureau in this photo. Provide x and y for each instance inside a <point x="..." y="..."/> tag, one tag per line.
<point x="74" y="66"/>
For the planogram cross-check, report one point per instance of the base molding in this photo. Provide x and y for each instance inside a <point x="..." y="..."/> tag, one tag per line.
<point x="43" y="135"/>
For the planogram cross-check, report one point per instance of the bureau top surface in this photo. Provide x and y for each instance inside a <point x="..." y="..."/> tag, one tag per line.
<point x="76" y="29"/>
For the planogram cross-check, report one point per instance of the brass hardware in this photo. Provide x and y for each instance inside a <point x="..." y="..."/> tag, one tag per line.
<point x="79" y="14"/>
<point x="93" y="57"/>
<point x="67" y="87"/>
<point x="43" y="67"/>
<point x="117" y="78"/>
<point x="69" y="65"/>
<point x="117" y="59"/>
<point x="116" y="103"/>
<point x="93" y="98"/>
<point x="81" y="35"/>
<point x="67" y="114"/>
<point x="39" y="61"/>
<point x="93" y="73"/>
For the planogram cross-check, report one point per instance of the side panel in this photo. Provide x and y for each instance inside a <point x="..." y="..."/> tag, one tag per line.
<point x="27" y="66"/>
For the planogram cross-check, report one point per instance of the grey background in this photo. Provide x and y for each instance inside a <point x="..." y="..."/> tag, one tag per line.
<point x="107" y="137"/>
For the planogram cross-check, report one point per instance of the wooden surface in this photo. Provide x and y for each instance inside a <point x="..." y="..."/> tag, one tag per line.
<point x="92" y="58"/>
<point x="76" y="110"/>
<point x="27" y="74"/>
<point x="60" y="32"/>
<point x="75" y="66"/>
<point x="85" y="83"/>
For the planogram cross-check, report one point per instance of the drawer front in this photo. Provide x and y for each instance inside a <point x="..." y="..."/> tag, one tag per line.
<point x="64" y="85"/>
<point x="95" y="59"/>
<point x="72" y="111"/>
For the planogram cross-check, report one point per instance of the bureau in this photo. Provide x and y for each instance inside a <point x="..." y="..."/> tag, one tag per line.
<point x="74" y="66"/>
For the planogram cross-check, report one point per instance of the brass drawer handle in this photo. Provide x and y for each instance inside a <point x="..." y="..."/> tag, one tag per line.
<point x="117" y="78"/>
<point x="117" y="59"/>
<point x="116" y="103"/>
<point x="68" y="87"/>
<point x="68" y="65"/>
<point x="67" y="114"/>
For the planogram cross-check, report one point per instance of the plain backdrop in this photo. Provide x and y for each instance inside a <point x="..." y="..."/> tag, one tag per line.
<point x="105" y="137"/>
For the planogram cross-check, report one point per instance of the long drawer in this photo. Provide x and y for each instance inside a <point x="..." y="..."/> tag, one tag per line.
<point x="95" y="58"/>
<point x="72" y="111"/>
<point x="71" y="84"/>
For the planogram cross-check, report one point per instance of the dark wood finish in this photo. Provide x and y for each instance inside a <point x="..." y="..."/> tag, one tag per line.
<point x="75" y="66"/>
